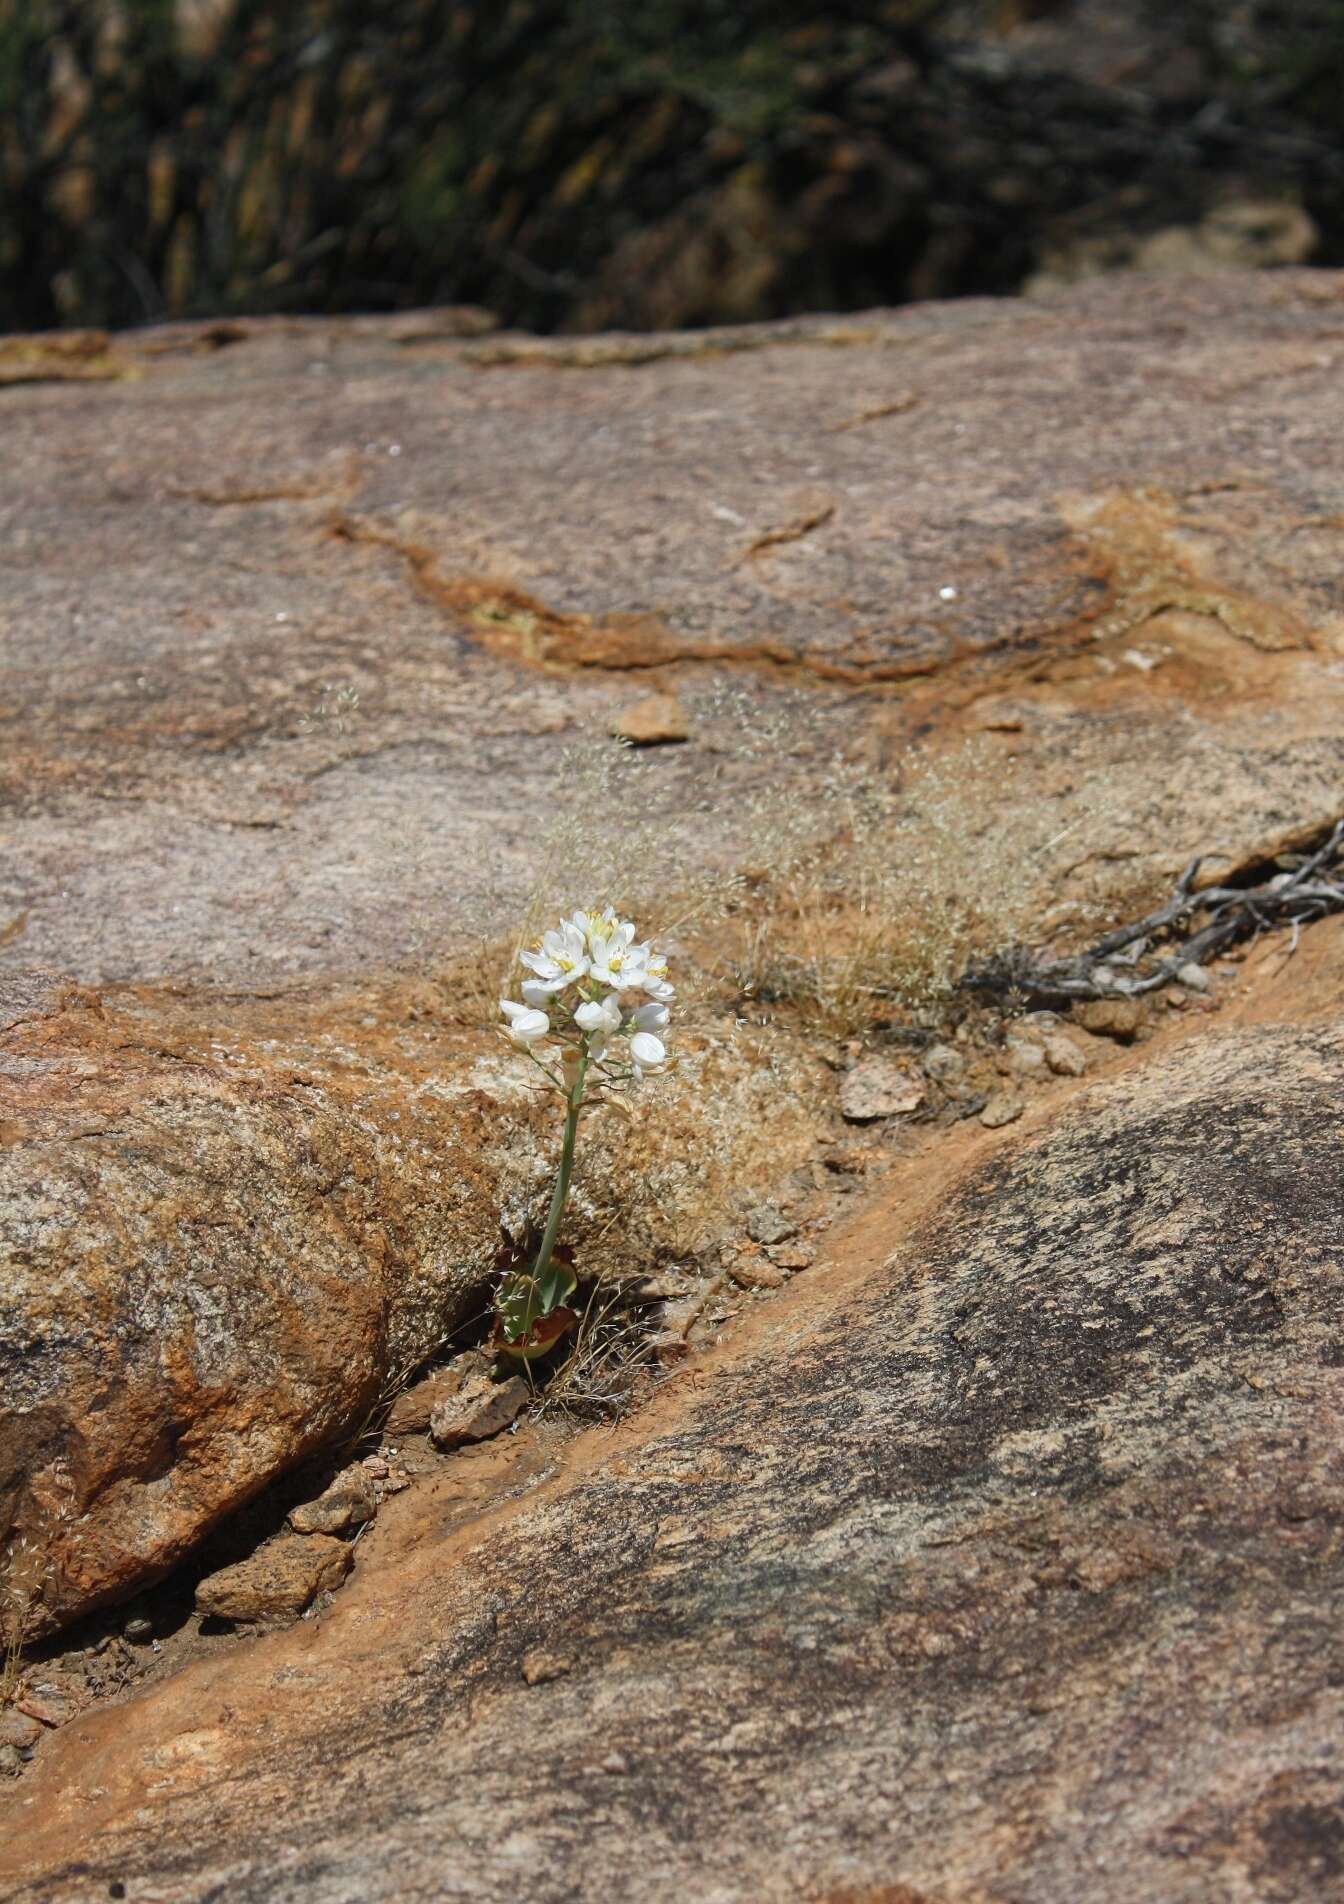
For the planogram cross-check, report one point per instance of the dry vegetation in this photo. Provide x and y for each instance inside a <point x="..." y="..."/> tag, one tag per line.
<point x="807" y="896"/>
<point x="25" y="1571"/>
<point x="793" y="876"/>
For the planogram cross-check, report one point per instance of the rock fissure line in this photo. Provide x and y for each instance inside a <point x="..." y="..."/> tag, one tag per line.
<point x="634" y="352"/>
<point x="507" y="622"/>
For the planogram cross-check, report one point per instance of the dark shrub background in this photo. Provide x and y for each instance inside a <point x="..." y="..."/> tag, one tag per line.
<point x="573" y="164"/>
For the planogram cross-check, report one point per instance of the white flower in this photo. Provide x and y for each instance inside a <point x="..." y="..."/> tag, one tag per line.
<point x="593" y="1016"/>
<point x="526" y="1024"/>
<point x="647" y="1051"/>
<point x="561" y="958"/>
<point x="597" y="956"/>
<point x="613" y="960"/>
<point x="598" y="925"/>
<point x="653" y="978"/>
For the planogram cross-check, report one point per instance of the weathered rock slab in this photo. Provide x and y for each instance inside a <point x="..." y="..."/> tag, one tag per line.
<point x="479" y="1409"/>
<point x="1001" y="1562"/>
<point x="293" y="635"/>
<point x="277" y="1582"/>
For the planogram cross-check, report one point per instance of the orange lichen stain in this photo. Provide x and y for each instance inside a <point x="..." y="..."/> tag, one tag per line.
<point x="59" y="357"/>
<point x="1126" y="565"/>
<point x="514" y="626"/>
<point x="1154" y="566"/>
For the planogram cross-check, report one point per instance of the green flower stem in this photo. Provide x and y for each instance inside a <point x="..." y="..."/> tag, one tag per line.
<point x="561" y="1191"/>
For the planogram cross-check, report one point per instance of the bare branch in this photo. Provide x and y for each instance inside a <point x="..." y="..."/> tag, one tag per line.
<point x="1292" y="897"/>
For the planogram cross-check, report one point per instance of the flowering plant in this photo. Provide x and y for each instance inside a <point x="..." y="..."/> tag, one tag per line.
<point x="603" y="998"/>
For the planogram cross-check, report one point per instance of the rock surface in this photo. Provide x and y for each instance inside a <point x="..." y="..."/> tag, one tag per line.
<point x="277" y="1582"/>
<point x="877" y="1088"/>
<point x="1001" y="1561"/>
<point x="292" y="639"/>
<point x="479" y="1409"/>
<point x="349" y="1501"/>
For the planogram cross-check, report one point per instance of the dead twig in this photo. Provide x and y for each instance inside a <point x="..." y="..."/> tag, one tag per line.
<point x="1124" y="964"/>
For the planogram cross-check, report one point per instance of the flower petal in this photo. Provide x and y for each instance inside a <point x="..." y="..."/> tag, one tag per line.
<point x="646" y="1050"/>
<point x="526" y="1024"/>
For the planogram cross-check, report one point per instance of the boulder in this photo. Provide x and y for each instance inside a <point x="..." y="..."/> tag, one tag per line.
<point x="277" y="1582"/>
<point x="1014" y="1573"/>
<point x="480" y="1408"/>
<point x="283" y="705"/>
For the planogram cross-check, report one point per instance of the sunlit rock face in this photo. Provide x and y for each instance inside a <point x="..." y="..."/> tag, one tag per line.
<point x="297" y="624"/>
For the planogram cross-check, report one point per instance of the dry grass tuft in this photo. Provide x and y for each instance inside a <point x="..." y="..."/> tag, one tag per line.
<point x="845" y="891"/>
<point x="610" y="1348"/>
<point x="916" y="877"/>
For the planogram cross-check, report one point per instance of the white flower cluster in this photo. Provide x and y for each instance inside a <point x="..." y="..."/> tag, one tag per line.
<point x="591" y="983"/>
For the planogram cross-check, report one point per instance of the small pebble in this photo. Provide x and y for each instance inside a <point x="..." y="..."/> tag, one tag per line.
<point x="18" y="1730"/>
<point x="480" y="1409"/>
<point x="348" y="1502"/>
<point x="540" y="1667"/>
<point x="1194" y="978"/>
<point x="768" y="1224"/>
<point x="1002" y="1108"/>
<point x="792" y="1256"/>
<point x="754" y="1272"/>
<point x="656" y="721"/>
<point x="878" y="1088"/>
<point x="665" y="1288"/>
<point x="1111" y="1017"/>
<point x="1064" y="1057"/>
<point x="1026" y="1059"/>
<point x="49" y="1704"/>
